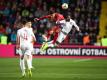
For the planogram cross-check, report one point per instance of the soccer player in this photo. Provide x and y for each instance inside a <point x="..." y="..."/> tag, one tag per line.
<point x="66" y="25"/>
<point x="55" y="17"/>
<point x="24" y="43"/>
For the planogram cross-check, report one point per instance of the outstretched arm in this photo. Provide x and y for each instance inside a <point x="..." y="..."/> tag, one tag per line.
<point x="18" y="41"/>
<point x="76" y="26"/>
<point x="44" y="17"/>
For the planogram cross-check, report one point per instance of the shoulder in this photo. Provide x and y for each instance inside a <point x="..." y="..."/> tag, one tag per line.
<point x="18" y="30"/>
<point x="72" y="21"/>
<point x="30" y="29"/>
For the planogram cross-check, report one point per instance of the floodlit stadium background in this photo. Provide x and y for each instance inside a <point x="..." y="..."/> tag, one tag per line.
<point x="81" y="56"/>
<point x="90" y="15"/>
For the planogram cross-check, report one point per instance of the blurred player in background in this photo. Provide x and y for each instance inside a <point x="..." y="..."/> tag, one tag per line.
<point x="66" y="25"/>
<point x="24" y="43"/>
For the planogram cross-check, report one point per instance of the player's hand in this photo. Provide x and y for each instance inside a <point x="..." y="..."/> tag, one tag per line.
<point x="79" y="31"/>
<point x="36" y="19"/>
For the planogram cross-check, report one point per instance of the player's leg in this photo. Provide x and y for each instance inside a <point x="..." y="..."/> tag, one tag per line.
<point x="44" y="40"/>
<point x="41" y="49"/>
<point x="31" y="58"/>
<point x="60" y="38"/>
<point x="22" y="63"/>
<point x="29" y="62"/>
<point x="46" y="45"/>
<point x="22" y="66"/>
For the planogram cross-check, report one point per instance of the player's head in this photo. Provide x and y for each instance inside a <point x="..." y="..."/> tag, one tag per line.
<point x="67" y="18"/>
<point x="23" y="21"/>
<point x="27" y="22"/>
<point x="52" y="10"/>
<point x="52" y="16"/>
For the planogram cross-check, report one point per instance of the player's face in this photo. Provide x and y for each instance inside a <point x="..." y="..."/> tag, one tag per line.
<point x="29" y="24"/>
<point x="52" y="17"/>
<point x="68" y="18"/>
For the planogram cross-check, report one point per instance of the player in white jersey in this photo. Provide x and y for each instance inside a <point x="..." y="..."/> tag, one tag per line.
<point x="66" y="25"/>
<point x="25" y="37"/>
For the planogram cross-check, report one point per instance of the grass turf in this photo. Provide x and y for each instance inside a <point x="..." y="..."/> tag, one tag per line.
<point x="56" y="69"/>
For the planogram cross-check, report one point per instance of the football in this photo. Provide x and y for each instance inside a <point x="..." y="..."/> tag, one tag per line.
<point x="64" y="6"/>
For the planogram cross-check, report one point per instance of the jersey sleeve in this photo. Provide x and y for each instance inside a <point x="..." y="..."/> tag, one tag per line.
<point x="75" y="25"/>
<point x="18" y="33"/>
<point x="44" y="17"/>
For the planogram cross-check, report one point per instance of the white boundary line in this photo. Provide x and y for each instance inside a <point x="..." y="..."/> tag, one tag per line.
<point x="82" y="60"/>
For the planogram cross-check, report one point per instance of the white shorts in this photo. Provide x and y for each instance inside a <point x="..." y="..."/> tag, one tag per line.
<point x="61" y="37"/>
<point x="26" y="49"/>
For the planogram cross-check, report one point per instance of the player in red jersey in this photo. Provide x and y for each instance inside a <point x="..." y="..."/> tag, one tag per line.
<point x="55" y="17"/>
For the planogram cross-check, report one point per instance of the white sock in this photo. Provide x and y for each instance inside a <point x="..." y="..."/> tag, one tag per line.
<point x="31" y="60"/>
<point x="22" y="66"/>
<point x="29" y="63"/>
<point x="51" y="45"/>
<point x="50" y="42"/>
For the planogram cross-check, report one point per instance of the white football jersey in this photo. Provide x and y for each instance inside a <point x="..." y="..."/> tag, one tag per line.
<point x="67" y="26"/>
<point x="26" y="35"/>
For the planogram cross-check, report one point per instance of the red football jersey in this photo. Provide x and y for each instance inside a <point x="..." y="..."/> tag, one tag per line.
<point x="54" y="17"/>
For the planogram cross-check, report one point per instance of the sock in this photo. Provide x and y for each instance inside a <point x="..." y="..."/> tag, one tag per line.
<point x="31" y="60"/>
<point x="50" y="45"/>
<point x="50" y="42"/>
<point x="29" y="64"/>
<point x="22" y="66"/>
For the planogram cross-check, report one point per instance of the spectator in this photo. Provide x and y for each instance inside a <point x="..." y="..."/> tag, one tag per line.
<point x="84" y="12"/>
<point x="2" y="29"/>
<point x="38" y="12"/>
<point x="25" y="12"/>
<point x="86" y="39"/>
<point x="13" y="37"/>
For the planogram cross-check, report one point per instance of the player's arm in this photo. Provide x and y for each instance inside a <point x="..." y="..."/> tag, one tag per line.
<point x="18" y="41"/>
<point x="76" y="26"/>
<point x="44" y="17"/>
<point x="33" y="37"/>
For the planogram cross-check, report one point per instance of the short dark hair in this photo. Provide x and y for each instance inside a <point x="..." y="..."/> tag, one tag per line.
<point x="67" y="14"/>
<point x="25" y="20"/>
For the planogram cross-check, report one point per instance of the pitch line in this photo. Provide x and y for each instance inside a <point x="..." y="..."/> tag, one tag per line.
<point x="82" y="60"/>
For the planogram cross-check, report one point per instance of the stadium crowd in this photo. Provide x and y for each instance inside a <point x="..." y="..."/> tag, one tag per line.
<point x="86" y="13"/>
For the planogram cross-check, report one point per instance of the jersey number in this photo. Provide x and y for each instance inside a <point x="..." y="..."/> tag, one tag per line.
<point x="25" y="37"/>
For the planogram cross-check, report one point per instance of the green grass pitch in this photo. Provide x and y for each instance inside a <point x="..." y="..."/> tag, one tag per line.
<point x="56" y="69"/>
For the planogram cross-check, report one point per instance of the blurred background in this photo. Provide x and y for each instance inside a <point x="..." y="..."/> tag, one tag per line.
<point x="82" y="57"/>
<point x="90" y="15"/>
